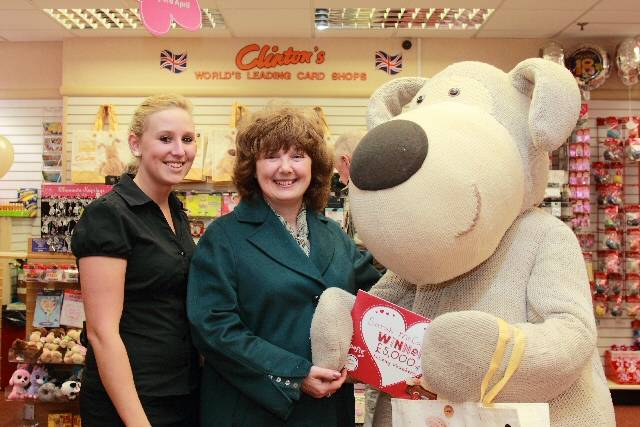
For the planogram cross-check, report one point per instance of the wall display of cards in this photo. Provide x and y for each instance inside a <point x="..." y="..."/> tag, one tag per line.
<point x="220" y="156"/>
<point x="96" y="154"/>
<point x="52" y="151"/>
<point x="196" y="173"/>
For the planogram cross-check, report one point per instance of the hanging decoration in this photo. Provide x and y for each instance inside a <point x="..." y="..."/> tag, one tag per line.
<point x="6" y="155"/>
<point x="590" y="66"/>
<point x="628" y="61"/>
<point x="554" y="52"/>
<point x="157" y="15"/>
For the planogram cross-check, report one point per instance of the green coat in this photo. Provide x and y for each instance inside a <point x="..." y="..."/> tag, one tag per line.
<point x="251" y="296"/>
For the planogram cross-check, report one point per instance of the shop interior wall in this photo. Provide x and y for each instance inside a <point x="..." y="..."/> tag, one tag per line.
<point x="342" y="114"/>
<point x="32" y="70"/>
<point x="21" y="122"/>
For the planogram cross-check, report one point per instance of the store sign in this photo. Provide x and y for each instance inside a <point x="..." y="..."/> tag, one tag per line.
<point x="269" y="62"/>
<point x="253" y="56"/>
<point x="157" y="15"/>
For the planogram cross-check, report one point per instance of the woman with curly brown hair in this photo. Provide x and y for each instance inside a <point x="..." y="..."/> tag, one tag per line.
<point x="257" y="274"/>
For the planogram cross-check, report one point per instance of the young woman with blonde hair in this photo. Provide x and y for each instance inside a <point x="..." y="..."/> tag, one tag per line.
<point x="134" y="248"/>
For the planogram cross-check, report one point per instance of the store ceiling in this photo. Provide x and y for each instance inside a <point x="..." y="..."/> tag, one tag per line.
<point x="24" y="20"/>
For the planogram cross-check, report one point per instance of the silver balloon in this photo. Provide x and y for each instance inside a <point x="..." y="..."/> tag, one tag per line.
<point x="554" y="52"/>
<point x="630" y="78"/>
<point x="628" y="56"/>
<point x="590" y="65"/>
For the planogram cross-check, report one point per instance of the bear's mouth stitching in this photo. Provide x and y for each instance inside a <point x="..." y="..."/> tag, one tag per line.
<point x="474" y="221"/>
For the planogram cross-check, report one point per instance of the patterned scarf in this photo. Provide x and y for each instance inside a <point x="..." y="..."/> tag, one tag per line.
<point x="301" y="236"/>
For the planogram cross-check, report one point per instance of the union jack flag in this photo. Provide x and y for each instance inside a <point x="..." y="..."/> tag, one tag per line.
<point x="390" y="64"/>
<point x="176" y="63"/>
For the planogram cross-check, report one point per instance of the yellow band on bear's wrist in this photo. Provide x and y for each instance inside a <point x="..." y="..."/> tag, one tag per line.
<point x="504" y="334"/>
<point x="514" y="363"/>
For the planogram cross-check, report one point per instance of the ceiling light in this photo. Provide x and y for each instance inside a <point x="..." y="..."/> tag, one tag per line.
<point x="410" y="18"/>
<point x="322" y="24"/>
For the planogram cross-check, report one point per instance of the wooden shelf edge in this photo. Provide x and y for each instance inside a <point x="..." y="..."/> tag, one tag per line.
<point x="616" y="386"/>
<point x="51" y="255"/>
<point x="19" y="255"/>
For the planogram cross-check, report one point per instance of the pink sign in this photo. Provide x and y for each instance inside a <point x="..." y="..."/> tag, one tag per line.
<point x="157" y="15"/>
<point x="81" y="191"/>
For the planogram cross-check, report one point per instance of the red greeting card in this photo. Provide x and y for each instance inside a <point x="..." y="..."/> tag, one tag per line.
<point x="386" y="346"/>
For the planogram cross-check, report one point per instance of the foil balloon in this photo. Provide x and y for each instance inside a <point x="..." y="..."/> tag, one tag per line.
<point x="628" y="61"/>
<point x="554" y="52"/>
<point x="6" y="155"/>
<point x="590" y="66"/>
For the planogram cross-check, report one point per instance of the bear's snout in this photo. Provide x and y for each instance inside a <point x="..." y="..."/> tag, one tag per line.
<point x="388" y="155"/>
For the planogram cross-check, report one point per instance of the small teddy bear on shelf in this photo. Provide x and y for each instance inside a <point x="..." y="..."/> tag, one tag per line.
<point x="19" y="380"/>
<point x="37" y="337"/>
<point x="75" y="354"/>
<point x="71" y="338"/>
<point x="39" y="376"/>
<point x="51" y="356"/>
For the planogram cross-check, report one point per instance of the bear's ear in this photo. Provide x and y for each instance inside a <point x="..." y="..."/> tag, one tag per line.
<point x="387" y="101"/>
<point x="555" y="100"/>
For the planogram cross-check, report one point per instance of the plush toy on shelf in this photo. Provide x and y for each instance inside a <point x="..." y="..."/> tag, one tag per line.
<point x="75" y="354"/>
<point x="24" y="351"/>
<point x="47" y="392"/>
<point x="51" y="356"/>
<point x="69" y="390"/>
<point x="444" y="193"/>
<point x="70" y="338"/>
<point x="19" y="380"/>
<point x="37" y="337"/>
<point x="39" y="376"/>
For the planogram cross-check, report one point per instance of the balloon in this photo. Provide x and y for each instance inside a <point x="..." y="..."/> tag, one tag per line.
<point x="628" y="61"/>
<point x="6" y="155"/>
<point x="630" y="78"/>
<point x="590" y="66"/>
<point x="553" y="51"/>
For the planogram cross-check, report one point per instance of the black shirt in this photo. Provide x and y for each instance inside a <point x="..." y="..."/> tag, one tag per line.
<point x="125" y="223"/>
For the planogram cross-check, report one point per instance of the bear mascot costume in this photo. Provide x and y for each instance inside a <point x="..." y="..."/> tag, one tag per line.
<point x="444" y="189"/>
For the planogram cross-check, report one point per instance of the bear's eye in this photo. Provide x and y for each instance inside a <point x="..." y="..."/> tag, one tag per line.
<point x="454" y="91"/>
<point x="420" y="99"/>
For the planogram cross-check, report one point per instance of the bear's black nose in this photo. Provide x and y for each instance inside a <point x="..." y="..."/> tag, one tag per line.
<point x="388" y="155"/>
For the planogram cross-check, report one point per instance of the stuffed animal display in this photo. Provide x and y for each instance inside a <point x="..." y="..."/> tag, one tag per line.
<point x="444" y="189"/>
<point x="19" y="380"/>
<point x="49" y="346"/>
<point x="38" y="383"/>
<point x="39" y="376"/>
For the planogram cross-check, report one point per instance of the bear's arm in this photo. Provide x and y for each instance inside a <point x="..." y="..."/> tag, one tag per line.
<point x="332" y="326"/>
<point x="560" y="337"/>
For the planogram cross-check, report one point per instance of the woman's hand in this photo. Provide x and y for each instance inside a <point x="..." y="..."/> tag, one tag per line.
<point x="323" y="382"/>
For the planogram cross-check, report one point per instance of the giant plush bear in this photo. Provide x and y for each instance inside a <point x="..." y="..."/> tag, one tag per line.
<point x="444" y="189"/>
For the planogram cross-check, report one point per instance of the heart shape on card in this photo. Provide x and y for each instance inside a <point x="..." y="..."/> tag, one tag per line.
<point x="394" y="347"/>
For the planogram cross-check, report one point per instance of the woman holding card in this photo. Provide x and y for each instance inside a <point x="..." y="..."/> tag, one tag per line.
<point x="134" y="248"/>
<point x="257" y="274"/>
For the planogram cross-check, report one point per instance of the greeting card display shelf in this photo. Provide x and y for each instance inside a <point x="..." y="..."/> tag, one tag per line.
<point x="32" y="293"/>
